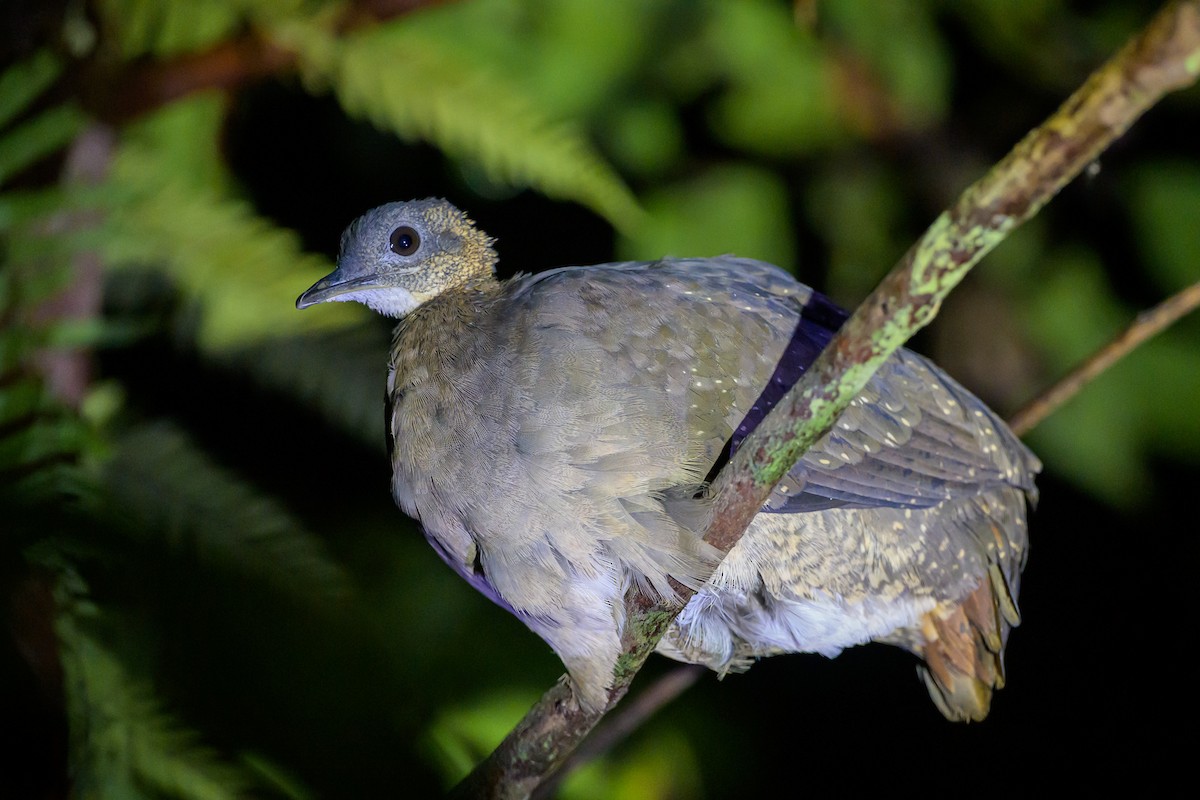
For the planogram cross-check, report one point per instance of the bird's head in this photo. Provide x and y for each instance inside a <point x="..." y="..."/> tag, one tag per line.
<point x="400" y="255"/>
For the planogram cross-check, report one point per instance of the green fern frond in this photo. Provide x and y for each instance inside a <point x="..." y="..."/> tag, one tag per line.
<point x="39" y="137"/>
<point x="19" y="209"/>
<point x="34" y="429"/>
<point x="154" y="27"/>
<point x="22" y="83"/>
<point x="38" y="466"/>
<point x="411" y="84"/>
<point x="20" y="86"/>
<point x="160" y="488"/>
<point x="122" y="744"/>
<point x="180" y="143"/>
<point x="243" y="270"/>
<point x="40" y="440"/>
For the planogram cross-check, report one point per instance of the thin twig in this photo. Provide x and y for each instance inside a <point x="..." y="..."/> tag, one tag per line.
<point x="1147" y="324"/>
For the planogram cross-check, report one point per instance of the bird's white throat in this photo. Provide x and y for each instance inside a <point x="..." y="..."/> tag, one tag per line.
<point x="389" y="301"/>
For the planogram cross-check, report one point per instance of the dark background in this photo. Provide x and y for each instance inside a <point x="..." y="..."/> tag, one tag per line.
<point x="350" y="698"/>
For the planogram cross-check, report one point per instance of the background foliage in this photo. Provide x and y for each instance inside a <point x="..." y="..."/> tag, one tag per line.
<point x="207" y="588"/>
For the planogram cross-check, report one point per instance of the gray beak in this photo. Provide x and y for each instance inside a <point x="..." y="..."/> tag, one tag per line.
<point x="314" y="294"/>
<point x="333" y="285"/>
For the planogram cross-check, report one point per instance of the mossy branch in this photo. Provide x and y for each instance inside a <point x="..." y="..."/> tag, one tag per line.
<point x="1164" y="57"/>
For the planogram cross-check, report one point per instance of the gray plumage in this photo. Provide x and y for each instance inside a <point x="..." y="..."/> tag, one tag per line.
<point x="551" y="434"/>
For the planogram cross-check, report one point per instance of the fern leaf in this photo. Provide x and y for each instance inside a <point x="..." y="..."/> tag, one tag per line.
<point x="151" y="27"/>
<point x="161" y="489"/>
<point x="183" y="139"/>
<point x="32" y="432"/>
<point x="41" y="135"/>
<point x="37" y="138"/>
<point x="21" y="208"/>
<point x="243" y="270"/>
<point x="168" y="205"/>
<point x="39" y="446"/>
<point x="22" y="83"/>
<point x="40" y="440"/>
<point x="122" y="743"/>
<point x="154" y="27"/>
<point x="408" y="82"/>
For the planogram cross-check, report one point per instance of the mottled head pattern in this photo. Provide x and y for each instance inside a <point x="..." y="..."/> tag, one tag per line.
<point x="400" y="255"/>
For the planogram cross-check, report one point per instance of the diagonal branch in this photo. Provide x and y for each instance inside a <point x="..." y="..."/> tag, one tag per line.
<point x="1164" y="57"/>
<point x="621" y="724"/>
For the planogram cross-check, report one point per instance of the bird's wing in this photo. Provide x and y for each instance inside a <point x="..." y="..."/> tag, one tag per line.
<point x="912" y="438"/>
<point x="630" y="380"/>
<point x="913" y="497"/>
<point x="696" y="339"/>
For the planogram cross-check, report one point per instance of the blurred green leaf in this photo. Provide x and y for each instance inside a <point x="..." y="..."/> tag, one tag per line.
<point x="21" y="83"/>
<point x="779" y="99"/>
<point x="122" y="744"/>
<point x="275" y="776"/>
<point x="19" y="399"/>
<point x="570" y="57"/>
<point x="26" y="207"/>
<point x="37" y="138"/>
<point x="1096" y="438"/>
<point x="243" y="270"/>
<point x="665" y="767"/>
<point x="1018" y="263"/>
<point x="857" y="207"/>
<point x="162" y="490"/>
<point x="145" y="27"/>
<point x="585" y="49"/>
<point x="1094" y="441"/>
<point x="645" y="138"/>
<point x="1165" y="205"/>
<point x="184" y="139"/>
<point x="1164" y="377"/>
<point x="39" y="444"/>
<point x="736" y="209"/>
<point x="904" y="49"/>
<point x="460" y="737"/>
<point x="152" y="27"/>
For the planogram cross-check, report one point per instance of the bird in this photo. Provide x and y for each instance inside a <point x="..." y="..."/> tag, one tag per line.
<point x="555" y="434"/>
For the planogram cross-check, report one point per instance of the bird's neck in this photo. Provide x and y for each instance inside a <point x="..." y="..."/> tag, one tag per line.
<point x="439" y="328"/>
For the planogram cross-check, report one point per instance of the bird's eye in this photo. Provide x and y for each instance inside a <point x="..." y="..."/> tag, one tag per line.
<point x="405" y="241"/>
